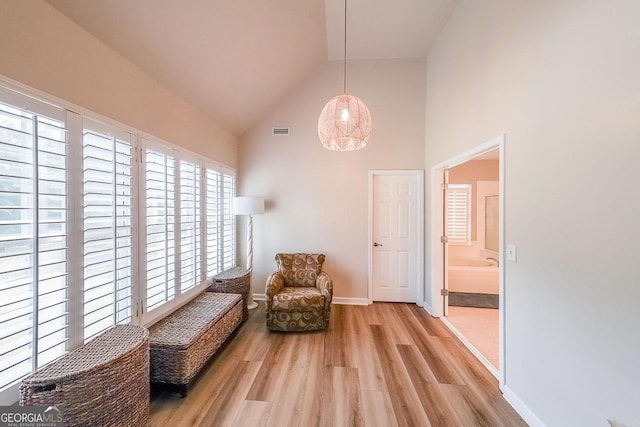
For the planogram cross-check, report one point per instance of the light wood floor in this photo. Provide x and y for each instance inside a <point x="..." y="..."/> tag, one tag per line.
<point x="381" y="365"/>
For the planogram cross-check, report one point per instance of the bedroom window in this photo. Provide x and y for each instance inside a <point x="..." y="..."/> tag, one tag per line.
<point x="190" y="251"/>
<point x="107" y="227"/>
<point x="34" y="259"/>
<point x="228" y="225"/>
<point x="458" y="223"/>
<point x="160" y="227"/>
<point x="98" y="226"/>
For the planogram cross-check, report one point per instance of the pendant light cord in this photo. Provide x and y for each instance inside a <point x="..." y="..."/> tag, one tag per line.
<point x="344" y="89"/>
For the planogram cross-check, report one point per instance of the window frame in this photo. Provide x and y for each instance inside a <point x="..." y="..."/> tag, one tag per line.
<point x="76" y="118"/>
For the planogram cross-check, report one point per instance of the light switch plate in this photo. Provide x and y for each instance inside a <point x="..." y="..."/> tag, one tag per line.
<point x="511" y="253"/>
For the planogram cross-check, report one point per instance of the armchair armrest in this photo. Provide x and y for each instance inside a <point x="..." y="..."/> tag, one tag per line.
<point x="325" y="284"/>
<point x="275" y="283"/>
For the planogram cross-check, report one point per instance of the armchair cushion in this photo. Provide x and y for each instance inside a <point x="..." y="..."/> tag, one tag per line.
<point x="300" y="269"/>
<point x="298" y="298"/>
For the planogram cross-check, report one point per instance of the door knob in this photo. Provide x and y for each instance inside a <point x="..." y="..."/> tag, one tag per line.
<point x="377" y="244"/>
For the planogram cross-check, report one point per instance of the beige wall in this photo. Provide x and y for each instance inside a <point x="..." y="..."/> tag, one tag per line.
<point x="317" y="199"/>
<point x="43" y="49"/>
<point x="560" y="79"/>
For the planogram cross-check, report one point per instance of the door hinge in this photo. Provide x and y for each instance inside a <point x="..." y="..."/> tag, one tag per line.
<point x="444" y="186"/>
<point x="444" y="239"/>
<point x="444" y="292"/>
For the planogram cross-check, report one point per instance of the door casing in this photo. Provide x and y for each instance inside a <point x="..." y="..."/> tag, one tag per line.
<point x="436" y="231"/>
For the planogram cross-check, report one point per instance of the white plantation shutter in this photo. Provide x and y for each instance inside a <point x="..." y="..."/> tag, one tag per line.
<point x="190" y="258"/>
<point x="107" y="226"/>
<point x="213" y="218"/>
<point x="84" y="244"/>
<point x="228" y="221"/>
<point x="459" y="213"/>
<point x="33" y="238"/>
<point x="160" y="227"/>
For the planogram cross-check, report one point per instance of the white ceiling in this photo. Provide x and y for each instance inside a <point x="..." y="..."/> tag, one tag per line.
<point x="235" y="59"/>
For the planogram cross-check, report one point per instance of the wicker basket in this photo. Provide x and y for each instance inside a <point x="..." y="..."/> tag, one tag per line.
<point x="102" y="383"/>
<point x="235" y="281"/>
<point x="182" y="343"/>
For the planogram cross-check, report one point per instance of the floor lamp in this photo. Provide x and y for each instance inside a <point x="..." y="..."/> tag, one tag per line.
<point x="249" y="206"/>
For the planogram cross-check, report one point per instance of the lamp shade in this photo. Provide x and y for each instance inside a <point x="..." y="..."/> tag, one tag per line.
<point x="344" y="123"/>
<point x="248" y="205"/>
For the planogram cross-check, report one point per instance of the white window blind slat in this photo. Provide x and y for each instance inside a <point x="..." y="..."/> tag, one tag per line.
<point x="33" y="266"/>
<point x="189" y="225"/>
<point x="107" y="216"/>
<point x="228" y="222"/>
<point x="458" y="209"/>
<point x="69" y="258"/>
<point x="213" y="221"/>
<point x="160" y="234"/>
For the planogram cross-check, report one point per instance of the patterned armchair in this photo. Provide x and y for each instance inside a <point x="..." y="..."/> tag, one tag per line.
<point x="298" y="294"/>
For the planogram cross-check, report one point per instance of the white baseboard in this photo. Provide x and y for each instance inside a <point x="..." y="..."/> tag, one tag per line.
<point x="522" y="409"/>
<point x="336" y="300"/>
<point x="350" y="301"/>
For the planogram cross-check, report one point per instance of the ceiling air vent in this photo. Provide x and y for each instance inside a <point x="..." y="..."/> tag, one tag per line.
<point x="280" y="131"/>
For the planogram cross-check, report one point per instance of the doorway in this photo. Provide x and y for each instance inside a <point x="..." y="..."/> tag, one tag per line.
<point x="396" y="218"/>
<point x="467" y="228"/>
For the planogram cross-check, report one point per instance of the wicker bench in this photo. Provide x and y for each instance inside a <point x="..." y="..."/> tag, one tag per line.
<point x="102" y="383"/>
<point x="182" y="343"/>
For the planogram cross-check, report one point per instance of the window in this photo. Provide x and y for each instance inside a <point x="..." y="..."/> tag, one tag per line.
<point x="228" y="221"/>
<point x="98" y="226"/>
<point x="213" y="219"/>
<point x="33" y="238"/>
<point x="107" y="228"/>
<point x="189" y="225"/>
<point x="160" y="222"/>
<point x="220" y="219"/>
<point x="459" y="213"/>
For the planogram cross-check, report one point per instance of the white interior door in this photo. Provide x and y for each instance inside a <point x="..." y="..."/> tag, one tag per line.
<point x="395" y="208"/>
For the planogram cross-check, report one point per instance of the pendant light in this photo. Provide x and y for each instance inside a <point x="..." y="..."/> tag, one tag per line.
<point x="345" y="121"/>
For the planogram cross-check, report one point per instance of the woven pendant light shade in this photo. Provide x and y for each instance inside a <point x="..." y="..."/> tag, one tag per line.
<point x="344" y="124"/>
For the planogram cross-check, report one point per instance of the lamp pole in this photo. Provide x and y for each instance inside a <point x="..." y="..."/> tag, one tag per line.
<point x="251" y="304"/>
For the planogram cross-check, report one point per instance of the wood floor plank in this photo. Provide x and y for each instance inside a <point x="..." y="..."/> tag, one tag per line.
<point x="377" y="409"/>
<point x="272" y="370"/>
<point x="361" y="343"/>
<point x="433" y="349"/>
<point x="406" y="405"/>
<point x="394" y="325"/>
<point x="432" y="325"/>
<point x="253" y="413"/>
<point x="288" y="409"/>
<point x="481" y="384"/>
<point x="336" y="339"/>
<point x="224" y="409"/>
<point x="346" y="396"/>
<point x="438" y="409"/>
<point x="380" y="365"/>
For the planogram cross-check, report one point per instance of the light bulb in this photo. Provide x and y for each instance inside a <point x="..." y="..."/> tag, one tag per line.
<point x="345" y="115"/>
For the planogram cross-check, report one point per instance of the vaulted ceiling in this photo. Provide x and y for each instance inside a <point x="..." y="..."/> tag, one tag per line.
<point x="235" y="59"/>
